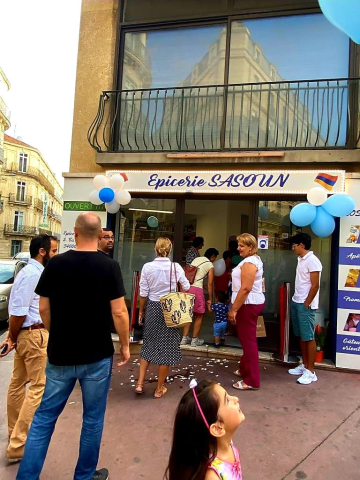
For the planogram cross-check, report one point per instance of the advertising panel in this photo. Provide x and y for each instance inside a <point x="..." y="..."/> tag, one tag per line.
<point x="348" y="317"/>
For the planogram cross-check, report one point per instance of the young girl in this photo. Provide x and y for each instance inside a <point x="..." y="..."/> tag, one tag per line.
<point x="205" y="422"/>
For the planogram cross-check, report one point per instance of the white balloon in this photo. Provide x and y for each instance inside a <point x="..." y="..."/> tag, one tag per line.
<point x="100" y="181"/>
<point x="123" y="197"/>
<point x="94" y="197"/>
<point x="112" y="207"/>
<point x="317" y="196"/>
<point x="219" y="267"/>
<point x="116" y="181"/>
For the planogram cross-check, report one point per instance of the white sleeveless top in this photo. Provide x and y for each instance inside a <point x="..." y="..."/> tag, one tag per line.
<point x="256" y="296"/>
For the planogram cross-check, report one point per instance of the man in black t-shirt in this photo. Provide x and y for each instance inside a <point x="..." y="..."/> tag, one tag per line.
<point x="81" y="292"/>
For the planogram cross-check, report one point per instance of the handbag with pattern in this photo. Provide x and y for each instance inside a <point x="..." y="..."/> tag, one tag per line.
<point x="177" y="306"/>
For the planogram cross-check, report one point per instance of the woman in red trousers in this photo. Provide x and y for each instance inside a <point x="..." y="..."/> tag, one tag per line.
<point x="248" y="303"/>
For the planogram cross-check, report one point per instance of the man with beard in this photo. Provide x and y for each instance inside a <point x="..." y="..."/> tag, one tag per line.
<point x="28" y="335"/>
<point x="106" y="241"/>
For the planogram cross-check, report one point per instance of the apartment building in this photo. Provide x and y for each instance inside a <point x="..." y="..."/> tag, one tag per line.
<point x="30" y="197"/>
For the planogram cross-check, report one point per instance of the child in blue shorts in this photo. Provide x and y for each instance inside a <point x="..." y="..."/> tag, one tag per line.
<point x="220" y="310"/>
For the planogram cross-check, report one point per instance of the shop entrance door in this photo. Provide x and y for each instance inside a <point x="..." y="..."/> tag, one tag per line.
<point x="217" y="221"/>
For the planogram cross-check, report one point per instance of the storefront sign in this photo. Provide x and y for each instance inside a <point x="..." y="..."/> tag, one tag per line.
<point x="44" y="223"/>
<point x="348" y="318"/>
<point x="78" y="206"/>
<point x="235" y="181"/>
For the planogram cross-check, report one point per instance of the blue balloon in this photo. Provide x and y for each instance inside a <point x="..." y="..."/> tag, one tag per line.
<point x="339" y="205"/>
<point x="106" y="195"/>
<point x="264" y="212"/>
<point x="152" y="222"/>
<point x="324" y="223"/>
<point x="344" y="15"/>
<point x="303" y="214"/>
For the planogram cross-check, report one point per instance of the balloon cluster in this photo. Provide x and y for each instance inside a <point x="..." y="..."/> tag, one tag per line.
<point x="319" y="213"/>
<point x="109" y="190"/>
<point x="344" y="15"/>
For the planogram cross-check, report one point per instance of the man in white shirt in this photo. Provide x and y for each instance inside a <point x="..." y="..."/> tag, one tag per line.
<point x="28" y="335"/>
<point x="304" y="304"/>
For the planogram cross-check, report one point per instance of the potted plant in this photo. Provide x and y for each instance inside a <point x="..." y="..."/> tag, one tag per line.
<point x="320" y="337"/>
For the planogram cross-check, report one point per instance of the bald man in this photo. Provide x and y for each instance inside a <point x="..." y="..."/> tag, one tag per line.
<point x="80" y="293"/>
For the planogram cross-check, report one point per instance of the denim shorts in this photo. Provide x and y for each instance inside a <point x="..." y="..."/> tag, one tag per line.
<point x="303" y="320"/>
<point x="220" y="329"/>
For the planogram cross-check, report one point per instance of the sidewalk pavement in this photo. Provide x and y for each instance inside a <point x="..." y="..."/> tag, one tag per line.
<point x="291" y="432"/>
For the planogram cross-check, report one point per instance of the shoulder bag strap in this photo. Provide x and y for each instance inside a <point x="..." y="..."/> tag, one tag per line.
<point x="176" y="280"/>
<point x="170" y="275"/>
<point x="206" y="273"/>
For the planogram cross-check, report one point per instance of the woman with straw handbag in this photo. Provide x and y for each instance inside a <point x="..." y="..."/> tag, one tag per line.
<point x="161" y="344"/>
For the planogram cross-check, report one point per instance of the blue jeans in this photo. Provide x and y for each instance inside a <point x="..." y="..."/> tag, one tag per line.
<point x="94" y="380"/>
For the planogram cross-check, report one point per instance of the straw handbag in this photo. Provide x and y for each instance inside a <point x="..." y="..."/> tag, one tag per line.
<point x="177" y="306"/>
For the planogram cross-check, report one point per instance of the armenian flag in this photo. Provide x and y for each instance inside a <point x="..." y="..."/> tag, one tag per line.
<point x="325" y="180"/>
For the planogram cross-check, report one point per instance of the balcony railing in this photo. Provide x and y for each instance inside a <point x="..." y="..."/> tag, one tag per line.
<point x="34" y="173"/>
<point x="38" y="204"/>
<point x="23" y="199"/>
<point x="314" y="114"/>
<point x="19" y="230"/>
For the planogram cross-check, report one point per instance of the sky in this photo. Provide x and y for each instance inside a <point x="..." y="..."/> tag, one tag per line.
<point x="38" y="55"/>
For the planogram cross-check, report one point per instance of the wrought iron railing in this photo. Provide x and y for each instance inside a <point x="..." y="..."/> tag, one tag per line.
<point x="313" y="114"/>
<point x="19" y="198"/>
<point x="38" y="204"/>
<point x="19" y="230"/>
<point x="32" y="172"/>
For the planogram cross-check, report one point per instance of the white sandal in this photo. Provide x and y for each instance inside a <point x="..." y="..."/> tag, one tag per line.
<point x="239" y="386"/>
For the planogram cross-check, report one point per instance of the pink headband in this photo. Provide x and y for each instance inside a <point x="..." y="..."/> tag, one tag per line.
<point x="193" y="385"/>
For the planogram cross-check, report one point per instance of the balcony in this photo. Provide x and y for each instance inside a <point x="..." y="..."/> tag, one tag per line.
<point x="20" y="199"/>
<point x="314" y="114"/>
<point x="34" y="173"/>
<point x="21" y="230"/>
<point x="38" y="204"/>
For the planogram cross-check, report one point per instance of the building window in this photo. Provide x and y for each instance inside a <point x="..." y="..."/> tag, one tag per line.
<point x="1" y="205"/>
<point x="20" y="191"/>
<point x="167" y="57"/>
<point x="18" y="221"/>
<point x="23" y="162"/>
<point x="291" y="47"/>
<point x="15" y="247"/>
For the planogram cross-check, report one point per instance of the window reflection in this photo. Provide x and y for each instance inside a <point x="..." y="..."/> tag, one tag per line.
<point x="174" y="57"/>
<point x="142" y="221"/>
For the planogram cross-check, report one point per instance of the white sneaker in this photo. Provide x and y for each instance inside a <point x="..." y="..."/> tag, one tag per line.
<point x="299" y="370"/>
<point x="185" y="341"/>
<point x="307" y="377"/>
<point x="197" y="342"/>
